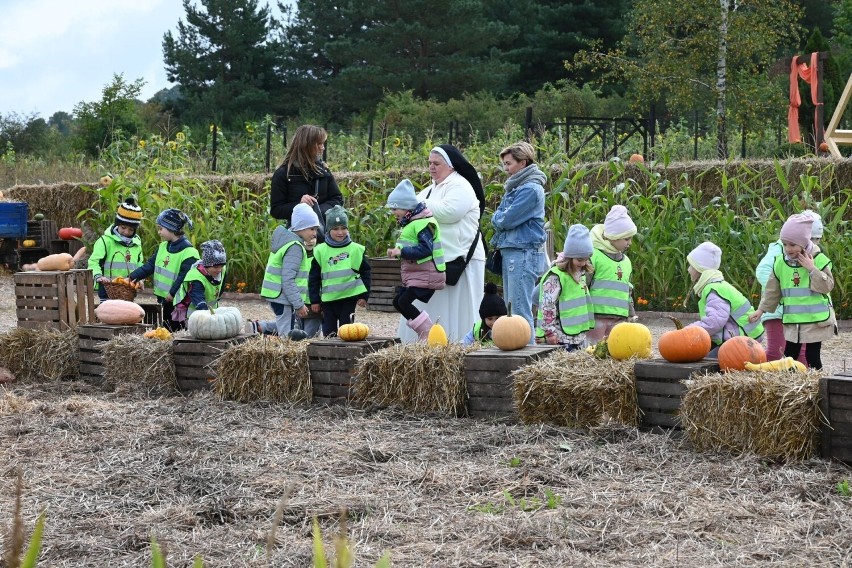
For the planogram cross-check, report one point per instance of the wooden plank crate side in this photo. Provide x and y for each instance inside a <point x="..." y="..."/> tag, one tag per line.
<point x="72" y="300"/>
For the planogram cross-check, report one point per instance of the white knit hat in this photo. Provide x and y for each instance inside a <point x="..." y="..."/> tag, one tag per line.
<point x="817" y="227"/>
<point x="705" y="256"/>
<point x="618" y="224"/>
<point x="578" y="243"/>
<point x="304" y="217"/>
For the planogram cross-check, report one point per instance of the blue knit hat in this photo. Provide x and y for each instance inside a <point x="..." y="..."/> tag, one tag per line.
<point x="403" y="196"/>
<point x="578" y="243"/>
<point x="174" y="220"/>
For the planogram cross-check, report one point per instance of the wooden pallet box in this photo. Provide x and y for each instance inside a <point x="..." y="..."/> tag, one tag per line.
<point x="331" y="363"/>
<point x="385" y="279"/>
<point x="153" y="313"/>
<point x="57" y="300"/>
<point x="659" y="390"/>
<point x="835" y="400"/>
<point x="91" y="339"/>
<point x="194" y="360"/>
<point x="490" y="388"/>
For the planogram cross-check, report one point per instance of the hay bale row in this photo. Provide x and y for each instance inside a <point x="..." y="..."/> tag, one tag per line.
<point x="40" y="355"/>
<point x="414" y="377"/>
<point x="576" y="390"/>
<point x="133" y="363"/>
<point x="264" y="368"/>
<point x="774" y="415"/>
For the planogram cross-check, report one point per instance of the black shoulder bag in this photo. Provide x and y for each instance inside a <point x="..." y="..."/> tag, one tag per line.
<point x="455" y="267"/>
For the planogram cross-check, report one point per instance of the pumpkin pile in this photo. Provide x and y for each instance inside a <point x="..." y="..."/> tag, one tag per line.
<point x="160" y="333"/>
<point x="684" y="344"/>
<point x="125" y="282"/>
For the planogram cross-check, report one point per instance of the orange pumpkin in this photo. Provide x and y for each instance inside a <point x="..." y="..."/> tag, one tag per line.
<point x="823" y="147"/>
<point x="70" y="233"/>
<point x="636" y="158"/>
<point x="511" y="332"/>
<point x="737" y="351"/>
<point x="355" y="331"/>
<point x="684" y="344"/>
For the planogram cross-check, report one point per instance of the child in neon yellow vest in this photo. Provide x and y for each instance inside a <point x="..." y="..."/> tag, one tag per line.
<point x="118" y="252"/>
<point x="170" y="262"/>
<point x="340" y="274"/>
<point x="203" y="284"/>
<point x="801" y="281"/>
<point x="421" y="256"/>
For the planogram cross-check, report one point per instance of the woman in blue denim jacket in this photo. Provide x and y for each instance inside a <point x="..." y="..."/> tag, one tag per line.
<point x="519" y="228"/>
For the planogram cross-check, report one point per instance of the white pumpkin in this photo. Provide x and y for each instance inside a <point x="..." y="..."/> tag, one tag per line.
<point x="222" y="323"/>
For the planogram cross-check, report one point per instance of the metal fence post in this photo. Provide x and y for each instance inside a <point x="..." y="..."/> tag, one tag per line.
<point x="369" y="143"/>
<point x="268" y="144"/>
<point x="215" y="145"/>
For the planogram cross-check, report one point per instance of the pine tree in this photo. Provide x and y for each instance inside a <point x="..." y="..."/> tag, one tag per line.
<point x="223" y="59"/>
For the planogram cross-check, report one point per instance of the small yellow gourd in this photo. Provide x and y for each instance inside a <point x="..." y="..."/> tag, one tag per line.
<point x="785" y="364"/>
<point x="355" y="331"/>
<point x="29" y="243"/>
<point x="160" y="333"/>
<point x="437" y="335"/>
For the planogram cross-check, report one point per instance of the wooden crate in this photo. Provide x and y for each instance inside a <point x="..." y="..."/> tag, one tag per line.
<point x="55" y="300"/>
<point x="490" y="389"/>
<point x="194" y="357"/>
<point x="153" y="313"/>
<point x="659" y="390"/>
<point x="835" y="401"/>
<point x="91" y="339"/>
<point x="385" y="279"/>
<point x="332" y="365"/>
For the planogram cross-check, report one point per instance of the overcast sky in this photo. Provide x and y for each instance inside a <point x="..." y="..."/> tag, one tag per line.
<point x="57" y="53"/>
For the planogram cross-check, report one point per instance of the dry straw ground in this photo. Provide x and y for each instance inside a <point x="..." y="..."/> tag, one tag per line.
<point x="205" y="477"/>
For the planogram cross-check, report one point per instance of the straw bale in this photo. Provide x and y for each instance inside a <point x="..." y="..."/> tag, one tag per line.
<point x="40" y="355"/>
<point x="264" y="368"/>
<point x="415" y="377"/>
<point x="774" y="415"/>
<point x="133" y="363"/>
<point x="576" y="390"/>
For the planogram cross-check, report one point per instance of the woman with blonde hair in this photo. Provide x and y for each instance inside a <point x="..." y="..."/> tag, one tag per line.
<point x="303" y="177"/>
<point x="519" y="228"/>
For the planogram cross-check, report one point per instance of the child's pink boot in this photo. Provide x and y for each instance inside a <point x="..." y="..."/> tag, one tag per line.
<point x="421" y="325"/>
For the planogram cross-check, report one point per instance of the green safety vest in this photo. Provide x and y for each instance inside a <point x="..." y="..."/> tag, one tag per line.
<point x="408" y="238"/>
<point x="272" y="282"/>
<point x="610" y="288"/>
<point x="801" y="304"/>
<point x="167" y="267"/>
<point x="212" y="292"/>
<point x="477" y="334"/>
<point x="118" y="259"/>
<point x="740" y="309"/>
<point x="339" y="269"/>
<point x="575" y="305"/>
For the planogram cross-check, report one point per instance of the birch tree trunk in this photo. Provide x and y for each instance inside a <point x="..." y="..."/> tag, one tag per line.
<point x="722" y="84"/>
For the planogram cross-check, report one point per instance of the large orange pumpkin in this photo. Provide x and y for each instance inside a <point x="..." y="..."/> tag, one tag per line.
<point x="737" y="351"/>
<point x="511" y="332"/>
<point x="684" y="344"/>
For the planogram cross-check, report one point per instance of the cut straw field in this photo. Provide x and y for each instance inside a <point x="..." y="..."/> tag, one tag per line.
<point x="206" y="477"/>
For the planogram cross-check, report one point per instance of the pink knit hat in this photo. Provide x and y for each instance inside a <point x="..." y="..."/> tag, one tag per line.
<point x="797" y="230"/>
<point x="618" y="224"/>
<point x="705" y="256"/>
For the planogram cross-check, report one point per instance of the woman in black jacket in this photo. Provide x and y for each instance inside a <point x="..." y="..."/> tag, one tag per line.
<point x="303" y="177"/>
